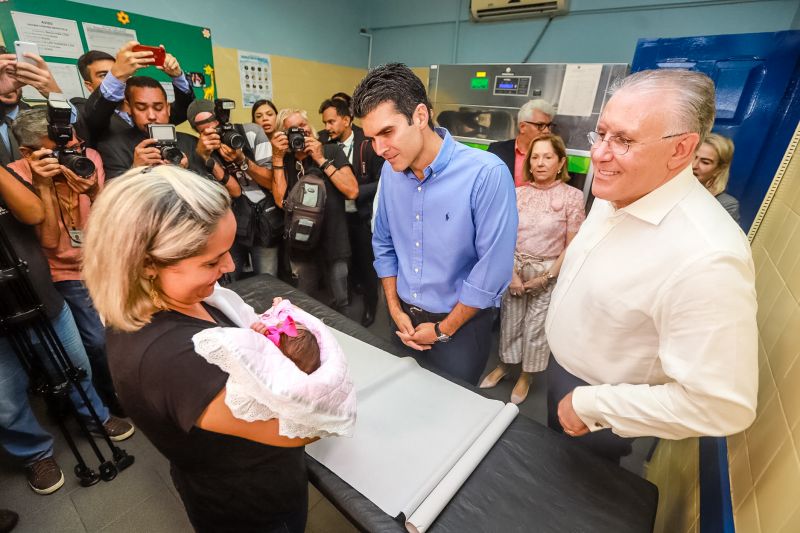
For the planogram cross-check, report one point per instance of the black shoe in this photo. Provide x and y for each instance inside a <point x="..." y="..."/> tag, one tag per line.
<point x="368" y="318"/>
<point x="8" y="519"/>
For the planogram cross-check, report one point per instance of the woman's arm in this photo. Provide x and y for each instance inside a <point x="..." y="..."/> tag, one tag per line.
<point x="219" y="419"/>
<point x="21" y="201"/>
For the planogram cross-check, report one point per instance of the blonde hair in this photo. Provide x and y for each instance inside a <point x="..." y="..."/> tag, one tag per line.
<point x="558" y="147"/>
<point x="287" y="112"/>
<point x="152" y="217"/>
<point x="723" y="146"/>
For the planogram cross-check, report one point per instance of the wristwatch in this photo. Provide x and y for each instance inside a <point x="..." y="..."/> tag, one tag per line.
<point x="440" y="337"/>
<point x="244" y="166"/>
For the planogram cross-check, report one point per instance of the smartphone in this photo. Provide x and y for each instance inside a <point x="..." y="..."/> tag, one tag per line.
<point x="22" y="47"/>
<point x="159" y="54"/>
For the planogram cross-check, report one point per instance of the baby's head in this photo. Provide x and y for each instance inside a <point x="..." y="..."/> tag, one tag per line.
<point x="303" y="349"/>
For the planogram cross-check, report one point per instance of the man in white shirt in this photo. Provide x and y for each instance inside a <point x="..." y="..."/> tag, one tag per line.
<point x="652" y="324"/>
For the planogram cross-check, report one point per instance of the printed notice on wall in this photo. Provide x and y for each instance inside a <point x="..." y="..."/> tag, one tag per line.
<point x="55" y="37"/>
<point x="255" y="76"/>
<point x="67" y="77"/>
<point x="579" y="89"/>
<point x="107" y="39"/>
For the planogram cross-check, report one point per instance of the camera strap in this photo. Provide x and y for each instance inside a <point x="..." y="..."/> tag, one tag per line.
<point x="75" y="234"/>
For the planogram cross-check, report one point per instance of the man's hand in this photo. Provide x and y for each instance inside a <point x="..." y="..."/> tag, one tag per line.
<point x="44" y="167"/>
<point x="424" y="335"/>
<point x="569" y="419"/>
<point x="128" y="61"/>
<point x="184" y="161"/>
<point x="229" y="154"/>
<point x="145" y="154"/>
<point x="280" y="145"/>
<point x="78" y="184"/>
<point x="37" y="76"/>
<point x="314" y="149"/>
<point x="171" y="67"/>
<point x="208" y="142"/>
<point x="406" y="330"/>
<point x="8" y="68"/>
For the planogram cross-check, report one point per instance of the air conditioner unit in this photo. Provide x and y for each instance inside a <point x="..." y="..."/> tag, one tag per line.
<point x="492" y="10"/>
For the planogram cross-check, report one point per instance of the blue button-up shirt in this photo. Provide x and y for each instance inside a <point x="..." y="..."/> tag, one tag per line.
<point x="450" y="237"/>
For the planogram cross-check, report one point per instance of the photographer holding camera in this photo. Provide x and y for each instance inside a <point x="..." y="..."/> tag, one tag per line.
<point x="67" y="178"/>
<point x="134" y="147"/>
<point x="227" y="155"/>
<point x="295" y="150"/>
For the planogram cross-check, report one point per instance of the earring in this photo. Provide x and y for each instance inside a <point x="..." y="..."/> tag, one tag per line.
<point x="155" y="297"/>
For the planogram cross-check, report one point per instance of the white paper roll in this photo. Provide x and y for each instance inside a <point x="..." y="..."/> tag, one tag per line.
<point x="429" y="509"/>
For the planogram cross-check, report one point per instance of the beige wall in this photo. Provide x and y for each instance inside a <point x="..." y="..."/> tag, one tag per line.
<point x="675" y="470"/>
<point x="764" y="460"/>
<point x="296" y="82"/>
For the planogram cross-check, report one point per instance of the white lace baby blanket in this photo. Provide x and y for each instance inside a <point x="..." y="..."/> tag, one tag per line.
<point x="263" y="383"/>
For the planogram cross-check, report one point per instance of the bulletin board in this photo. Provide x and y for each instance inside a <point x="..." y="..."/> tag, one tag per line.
<point x="65" y="30"/>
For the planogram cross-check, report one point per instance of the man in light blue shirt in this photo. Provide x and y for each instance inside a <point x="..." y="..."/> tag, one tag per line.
<point x="105" y="112"/>
<point x="445" y="228"/>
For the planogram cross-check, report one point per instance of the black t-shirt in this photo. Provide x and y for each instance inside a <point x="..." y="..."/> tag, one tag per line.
<point x="334" y="240"/>
<point x="226" y="483"/>
<point x="26" y="246"/>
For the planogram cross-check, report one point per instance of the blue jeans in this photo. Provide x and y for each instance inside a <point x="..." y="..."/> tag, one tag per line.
<point x="92" y="332"/>
<point x="20" y="432"/>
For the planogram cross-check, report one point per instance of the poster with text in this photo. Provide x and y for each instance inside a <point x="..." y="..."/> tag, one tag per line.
<point x="255" y="76"/>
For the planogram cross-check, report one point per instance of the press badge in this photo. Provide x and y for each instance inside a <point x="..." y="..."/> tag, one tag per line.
<point x="76" y="238"/>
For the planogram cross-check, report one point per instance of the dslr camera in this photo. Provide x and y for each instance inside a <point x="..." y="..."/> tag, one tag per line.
<point x="297" y="139"/>
<point x="227" y="133"/>
<point x="59" y="130"/>
<point x="166" y="142"/>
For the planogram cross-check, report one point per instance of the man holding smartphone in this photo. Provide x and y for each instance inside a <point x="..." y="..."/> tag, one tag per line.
<point x="105" y="112"/>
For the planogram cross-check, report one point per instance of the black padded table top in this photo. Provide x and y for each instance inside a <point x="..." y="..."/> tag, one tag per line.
<point x="533" y="479"/>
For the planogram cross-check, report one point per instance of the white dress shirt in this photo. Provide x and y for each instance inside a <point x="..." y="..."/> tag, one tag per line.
<point x="655" y="308"/>
<point x="347" y="147"/>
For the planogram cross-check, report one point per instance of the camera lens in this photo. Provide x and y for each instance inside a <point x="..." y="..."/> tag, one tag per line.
<point x="232" y="139"/>
<point x="171" y="154"/>
<point x="80" y="165"/>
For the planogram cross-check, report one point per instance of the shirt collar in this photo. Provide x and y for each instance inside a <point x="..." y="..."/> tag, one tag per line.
<point x="349" y="140"/>
<point x="655" y="205"/>
<point x="445" y="152"/>
<point x="516" y="147"/>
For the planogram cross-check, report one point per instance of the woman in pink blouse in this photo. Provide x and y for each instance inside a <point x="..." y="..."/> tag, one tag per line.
<point x="550" y="213"/>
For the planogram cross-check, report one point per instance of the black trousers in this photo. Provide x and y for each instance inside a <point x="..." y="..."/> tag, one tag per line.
<point x="362" y="271"/>
<point x="465" y="355"/>
<point x="603" y="443"/>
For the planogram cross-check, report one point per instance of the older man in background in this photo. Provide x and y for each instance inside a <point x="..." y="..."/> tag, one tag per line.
<point x="533" y="118"/>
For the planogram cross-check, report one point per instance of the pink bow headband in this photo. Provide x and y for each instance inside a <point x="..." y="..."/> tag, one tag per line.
<point x="288" y="327"/>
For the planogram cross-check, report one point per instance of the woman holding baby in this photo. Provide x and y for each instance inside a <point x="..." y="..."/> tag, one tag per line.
<point x="157" y="242"/>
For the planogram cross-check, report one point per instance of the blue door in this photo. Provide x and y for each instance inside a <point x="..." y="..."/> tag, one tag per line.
<point x="757" y="77"/>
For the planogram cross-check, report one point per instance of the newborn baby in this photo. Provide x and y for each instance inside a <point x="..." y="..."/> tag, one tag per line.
<point x="284" y="364"/>
<point x="293" y="339"/>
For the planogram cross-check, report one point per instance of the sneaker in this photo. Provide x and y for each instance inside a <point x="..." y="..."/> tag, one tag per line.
<point x="44" y="476"/>
<point x="117" y="429"/>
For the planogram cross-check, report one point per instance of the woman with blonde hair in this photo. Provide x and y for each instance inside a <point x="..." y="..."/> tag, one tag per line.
<point x="156" y="244"/>
<point x="550" y="213"/>
<point x="712" y="165"/>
